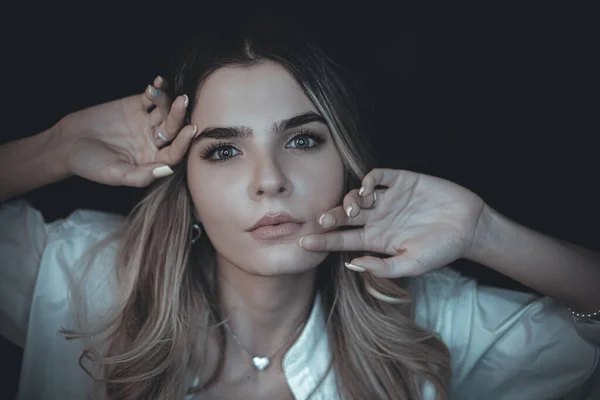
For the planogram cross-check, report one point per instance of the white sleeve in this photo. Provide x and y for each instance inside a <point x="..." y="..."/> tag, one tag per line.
<point x="40" y="265"/>
<point x="31" y="248"/>
<point x="23" y="235"/>
<point x="507" y="344"/>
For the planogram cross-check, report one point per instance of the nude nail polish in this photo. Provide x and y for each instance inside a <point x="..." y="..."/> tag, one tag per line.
<point x="161" y="172"/>
<point x="349" y="210"/>
<point x="300" y="241"/>
<point x="353" y="267"/>
<point x="321" y="219"/>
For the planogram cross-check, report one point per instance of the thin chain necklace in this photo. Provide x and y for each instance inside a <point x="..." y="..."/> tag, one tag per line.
<point x="261" y="363"/>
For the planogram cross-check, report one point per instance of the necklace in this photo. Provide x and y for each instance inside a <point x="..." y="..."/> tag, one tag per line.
<point x="261" y="363"/>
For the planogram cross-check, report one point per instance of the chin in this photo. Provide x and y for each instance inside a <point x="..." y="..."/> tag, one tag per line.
<point x="275" y="261"/>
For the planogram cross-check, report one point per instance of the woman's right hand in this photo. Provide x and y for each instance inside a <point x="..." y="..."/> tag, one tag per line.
<point x="117" y="143"/>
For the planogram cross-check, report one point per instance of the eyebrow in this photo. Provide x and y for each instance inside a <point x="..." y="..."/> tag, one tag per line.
<point x="244" y="132"/>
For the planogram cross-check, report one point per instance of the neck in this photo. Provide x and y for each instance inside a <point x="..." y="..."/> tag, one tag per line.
<point x="264" y="312"/>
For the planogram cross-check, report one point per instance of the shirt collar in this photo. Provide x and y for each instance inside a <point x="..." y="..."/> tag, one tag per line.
<point x="306" y="362"/>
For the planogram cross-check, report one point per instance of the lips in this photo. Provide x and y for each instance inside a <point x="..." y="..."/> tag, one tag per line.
<point x="275" y="226"/>
<point x="273" y="219"/>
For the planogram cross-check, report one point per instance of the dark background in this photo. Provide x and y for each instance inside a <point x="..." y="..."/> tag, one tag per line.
<point x="499" y="97"/>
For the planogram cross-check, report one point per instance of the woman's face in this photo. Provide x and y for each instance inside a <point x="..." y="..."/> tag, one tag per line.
<point x="261" y="149"/>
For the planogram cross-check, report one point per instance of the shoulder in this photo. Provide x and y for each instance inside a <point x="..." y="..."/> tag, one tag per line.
<point x="81" y="249"/>
<point x="451" y="303"/>
<point x="76" y="253"/>
<point x="21" y="215"/>
<point x="37" y="252"/>
<point x="438" y="287"/>
<point x="87" y="223"/>
<point x="496" y="336"/>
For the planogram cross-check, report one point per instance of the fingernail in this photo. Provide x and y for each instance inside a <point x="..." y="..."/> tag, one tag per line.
<point x="354" y="267"/>
<point x="186" y="100"/>
<point x="349" y="210"/>
<point x="163" y="171"/>
<point x="300" y="241"/>
<point x="159" y="79"/>
<point x="152" y="91"/>
<point x="326" y="221"/>
<point x="321" y="219"/>
<point x="195" y="129"/>
<point x="362" y="190"/>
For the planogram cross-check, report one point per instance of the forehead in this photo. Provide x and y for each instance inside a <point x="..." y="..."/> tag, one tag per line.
<point x="251" y="96"/>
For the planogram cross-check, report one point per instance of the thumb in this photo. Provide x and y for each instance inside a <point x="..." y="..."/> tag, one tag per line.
<point x="140" y="175"/>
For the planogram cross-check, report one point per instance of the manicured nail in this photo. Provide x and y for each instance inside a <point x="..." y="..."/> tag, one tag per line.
<point x="163" y="171"/>
<point x="354" y="267"/>
<point x="326" y="221"/>
<point x="300" y="241"/>
<point x="159" y="79"/>
<point x="321" y="219"/>
<point x="186" y="100"/>
<point x="349" y="210"/>
<point x="362" y="190"/>
<point x="152" y="91"/>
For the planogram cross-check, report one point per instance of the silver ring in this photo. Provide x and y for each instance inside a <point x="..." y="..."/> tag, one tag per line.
<point x="161" y="136"/>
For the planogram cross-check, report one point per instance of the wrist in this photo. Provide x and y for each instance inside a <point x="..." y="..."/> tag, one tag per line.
<point x="482" y="237"/>
<point x="60" y="140"/>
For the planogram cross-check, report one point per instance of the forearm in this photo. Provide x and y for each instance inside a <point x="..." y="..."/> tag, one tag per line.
<point x="30" y="163"/>
<point x="555" y="268"/>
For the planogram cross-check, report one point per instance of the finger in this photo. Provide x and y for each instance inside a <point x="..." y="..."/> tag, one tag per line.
<point x="384" y="297"/>
<point x="160" y="115"/>
<point x="348" y="240"/>
<point x="338" y="217"/>
<point x="354" y="203"/>
<point x="161" y="84"/>
<point x="175" y="120"/>
<point x="410" y="262"/>
<point x="378" y="177"/>
<point x="167" y="126"/>
<point x="389" y="267"/>
<point x="148" y="95"/>
<point x="125" y="174"/>
<point x="158" y="98"/>
<point x="175" y="152"/>
<point x="380" y="267"/>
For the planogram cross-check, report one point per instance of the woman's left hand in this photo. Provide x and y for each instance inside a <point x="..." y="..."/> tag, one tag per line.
<point x="422" y="222"/>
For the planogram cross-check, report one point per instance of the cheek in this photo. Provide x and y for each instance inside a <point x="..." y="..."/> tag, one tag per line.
<point x="325" y="180"/>
<point x="214" y="195"/>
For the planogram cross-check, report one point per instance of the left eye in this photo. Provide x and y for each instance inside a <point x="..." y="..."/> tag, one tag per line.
<point x="302" y="142"/>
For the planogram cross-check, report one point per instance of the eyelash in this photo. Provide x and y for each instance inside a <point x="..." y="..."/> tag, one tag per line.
<point x="213" y="147"/>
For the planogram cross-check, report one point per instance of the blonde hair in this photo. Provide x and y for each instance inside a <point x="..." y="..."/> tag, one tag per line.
<point x="168" y="288"/>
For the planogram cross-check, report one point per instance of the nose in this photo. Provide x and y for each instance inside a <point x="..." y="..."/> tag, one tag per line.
<point x="269" y="180"/>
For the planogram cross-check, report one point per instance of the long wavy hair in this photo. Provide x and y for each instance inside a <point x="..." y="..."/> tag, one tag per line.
<point x="167" y="300"/>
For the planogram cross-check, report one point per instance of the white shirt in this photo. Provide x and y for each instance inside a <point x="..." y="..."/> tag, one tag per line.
<point x="504" y="344"/>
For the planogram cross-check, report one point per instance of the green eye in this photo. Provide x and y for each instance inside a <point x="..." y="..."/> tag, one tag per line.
<point x="305" y="141"/>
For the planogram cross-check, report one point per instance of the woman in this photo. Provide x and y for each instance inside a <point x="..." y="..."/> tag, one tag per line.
<point x="254" y="267"/>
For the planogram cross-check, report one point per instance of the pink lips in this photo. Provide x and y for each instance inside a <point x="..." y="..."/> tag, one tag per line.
<point x="275" y="226"/>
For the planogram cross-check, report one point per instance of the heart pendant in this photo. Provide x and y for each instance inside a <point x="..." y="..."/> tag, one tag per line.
<point x="261" y="362"/>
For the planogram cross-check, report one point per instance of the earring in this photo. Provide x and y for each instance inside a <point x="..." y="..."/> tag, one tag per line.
<point x="196" y="232"/>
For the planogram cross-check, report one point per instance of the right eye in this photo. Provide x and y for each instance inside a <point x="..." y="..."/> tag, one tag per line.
<point x="219" y="152"/>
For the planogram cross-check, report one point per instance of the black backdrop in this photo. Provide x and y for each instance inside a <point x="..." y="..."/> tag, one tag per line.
<point x="496" y="96"/>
